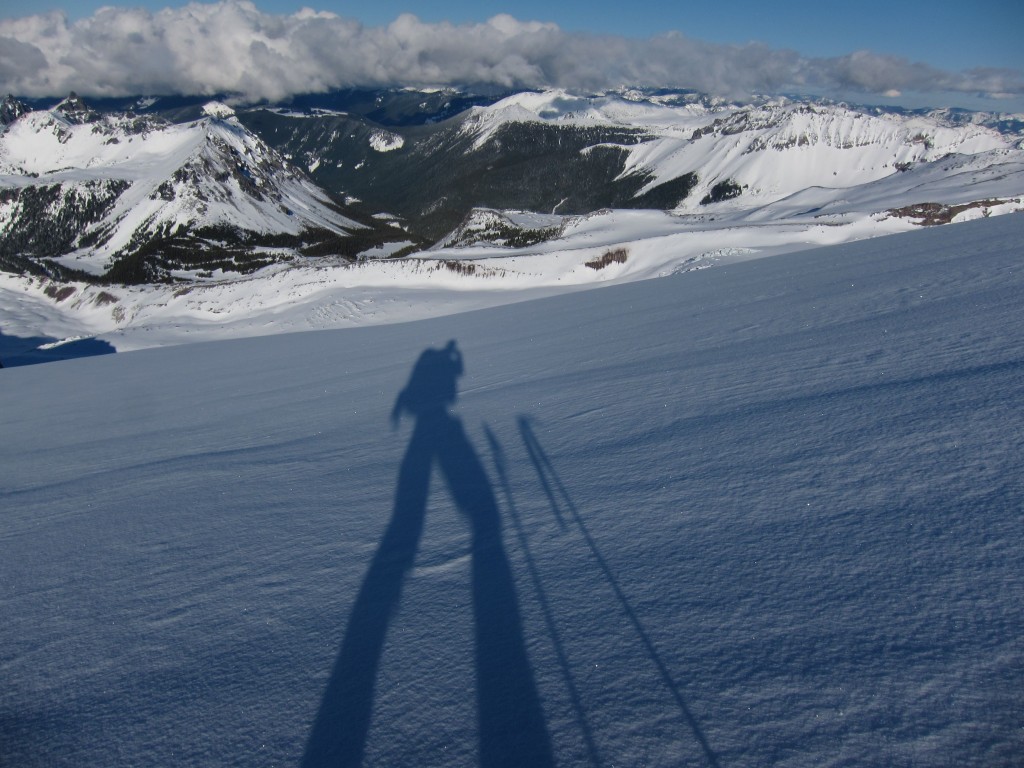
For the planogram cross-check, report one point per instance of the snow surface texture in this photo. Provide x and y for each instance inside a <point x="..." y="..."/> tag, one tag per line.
<point x="763" y="514"/>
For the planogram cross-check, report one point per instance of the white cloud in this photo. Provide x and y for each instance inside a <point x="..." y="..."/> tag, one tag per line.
<point x="232" y="47"/>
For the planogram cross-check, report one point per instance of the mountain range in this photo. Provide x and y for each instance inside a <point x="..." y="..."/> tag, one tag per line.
<point x="136" y="198"/>
<point x="179" y="189"/>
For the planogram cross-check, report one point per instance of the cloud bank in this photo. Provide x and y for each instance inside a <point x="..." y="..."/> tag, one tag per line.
<point x="231" y="47"/>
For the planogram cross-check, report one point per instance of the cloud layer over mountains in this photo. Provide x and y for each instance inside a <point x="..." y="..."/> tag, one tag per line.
<point x="232" y="47"/>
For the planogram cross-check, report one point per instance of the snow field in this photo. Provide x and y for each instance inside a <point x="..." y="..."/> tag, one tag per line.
<point x="319" y="294"/>
<point x="763" y="514"/>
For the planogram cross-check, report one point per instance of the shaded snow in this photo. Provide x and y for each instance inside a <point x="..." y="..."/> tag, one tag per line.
<point x="763" y="514"/>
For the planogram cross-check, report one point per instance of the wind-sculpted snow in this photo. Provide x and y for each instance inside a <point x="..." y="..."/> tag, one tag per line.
<point x="762" y="514"/>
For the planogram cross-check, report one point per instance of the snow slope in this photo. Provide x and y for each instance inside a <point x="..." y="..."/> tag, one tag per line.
<point x="323" y="294"/>
<point x="763" y="514"/>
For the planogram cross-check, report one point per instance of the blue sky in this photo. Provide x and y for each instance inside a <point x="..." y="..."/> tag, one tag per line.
<point x="949" y="35"/>
<point x="907" y="53"/>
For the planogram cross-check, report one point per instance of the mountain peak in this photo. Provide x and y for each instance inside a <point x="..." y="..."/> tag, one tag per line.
<point x="75" y="110"/>
<point x="11" y="109"/>
<point x="218" y="109"/>
<point x="218" y="200"/>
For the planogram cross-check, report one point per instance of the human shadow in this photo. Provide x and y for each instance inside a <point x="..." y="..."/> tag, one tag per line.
<point x="511" y="726"/>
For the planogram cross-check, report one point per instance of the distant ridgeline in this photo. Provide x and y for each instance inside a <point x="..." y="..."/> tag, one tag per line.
<point x="182" y="188"/>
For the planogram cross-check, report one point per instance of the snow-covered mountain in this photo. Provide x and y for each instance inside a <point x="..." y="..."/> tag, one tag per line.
<point x="752" y="154"/>
<point x="10" y="110"/>
<point x="529" y="194"/>
<point x="558" y="152"/>
<point x="134" y="198"/>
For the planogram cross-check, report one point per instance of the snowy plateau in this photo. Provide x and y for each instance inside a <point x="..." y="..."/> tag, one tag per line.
<point x="450" y="509"/>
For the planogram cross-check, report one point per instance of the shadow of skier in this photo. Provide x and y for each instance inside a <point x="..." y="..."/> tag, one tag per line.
<point x="511" y="724"/>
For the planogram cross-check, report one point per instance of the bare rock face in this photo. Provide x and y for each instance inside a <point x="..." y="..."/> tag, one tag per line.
<point x="10" y="110"/>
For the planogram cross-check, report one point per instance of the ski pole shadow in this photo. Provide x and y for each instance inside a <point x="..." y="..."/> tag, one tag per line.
<point x="501" y="467"/>
<point x="511" y="726"/>
<point x="558" y="497"/>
